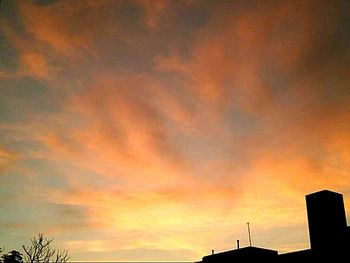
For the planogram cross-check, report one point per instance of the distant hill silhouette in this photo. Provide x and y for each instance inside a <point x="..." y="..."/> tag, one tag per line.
<point x="328" y="231"/>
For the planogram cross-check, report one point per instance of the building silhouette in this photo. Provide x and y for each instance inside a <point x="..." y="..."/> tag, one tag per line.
<point x="242" y="254"/>
<point x="328" y="232"/>
<point x="327" y="220"/>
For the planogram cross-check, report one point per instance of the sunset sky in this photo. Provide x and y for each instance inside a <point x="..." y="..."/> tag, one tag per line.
<point x="155" y="130"/>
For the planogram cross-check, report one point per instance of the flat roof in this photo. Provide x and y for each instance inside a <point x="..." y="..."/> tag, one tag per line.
<point x="243" y="251"/>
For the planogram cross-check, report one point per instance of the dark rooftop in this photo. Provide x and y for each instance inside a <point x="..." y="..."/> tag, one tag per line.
<point x="323" y="193"/>
<point x="246" y="252"/>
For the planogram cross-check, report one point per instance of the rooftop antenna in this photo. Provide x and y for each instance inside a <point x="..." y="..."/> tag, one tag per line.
<point x="250" y="238"/>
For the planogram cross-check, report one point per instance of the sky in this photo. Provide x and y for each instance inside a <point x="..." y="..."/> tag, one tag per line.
<point x="155" y="130"/>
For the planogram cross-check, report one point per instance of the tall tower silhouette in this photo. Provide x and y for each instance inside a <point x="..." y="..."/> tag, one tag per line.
<point x="327" y="220"/>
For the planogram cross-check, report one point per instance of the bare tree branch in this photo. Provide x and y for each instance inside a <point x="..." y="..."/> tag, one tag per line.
<point x="40" y="251"/>
<point x="62" y="256"/>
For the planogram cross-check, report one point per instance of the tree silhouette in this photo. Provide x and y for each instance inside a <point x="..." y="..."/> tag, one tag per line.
<point x="12" y="257"/>
<point x="40" y="251"/>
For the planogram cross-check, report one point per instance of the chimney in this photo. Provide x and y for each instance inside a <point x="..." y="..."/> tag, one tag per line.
<point x="237" y="243"/>
<point x="212" y="251"/>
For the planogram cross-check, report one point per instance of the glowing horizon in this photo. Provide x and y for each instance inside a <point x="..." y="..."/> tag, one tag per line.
<point x="154" y="130"/>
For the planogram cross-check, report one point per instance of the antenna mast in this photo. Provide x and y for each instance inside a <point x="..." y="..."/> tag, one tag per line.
<point x="250" y="238"/>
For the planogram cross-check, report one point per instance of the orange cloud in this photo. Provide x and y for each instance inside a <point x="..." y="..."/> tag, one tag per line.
<point x="34" y="64"/>
<point x="54" y="28"/>
<point x="152" y="11"/>
<point x="56" y="37"/>
<point x="6" y="158"/>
